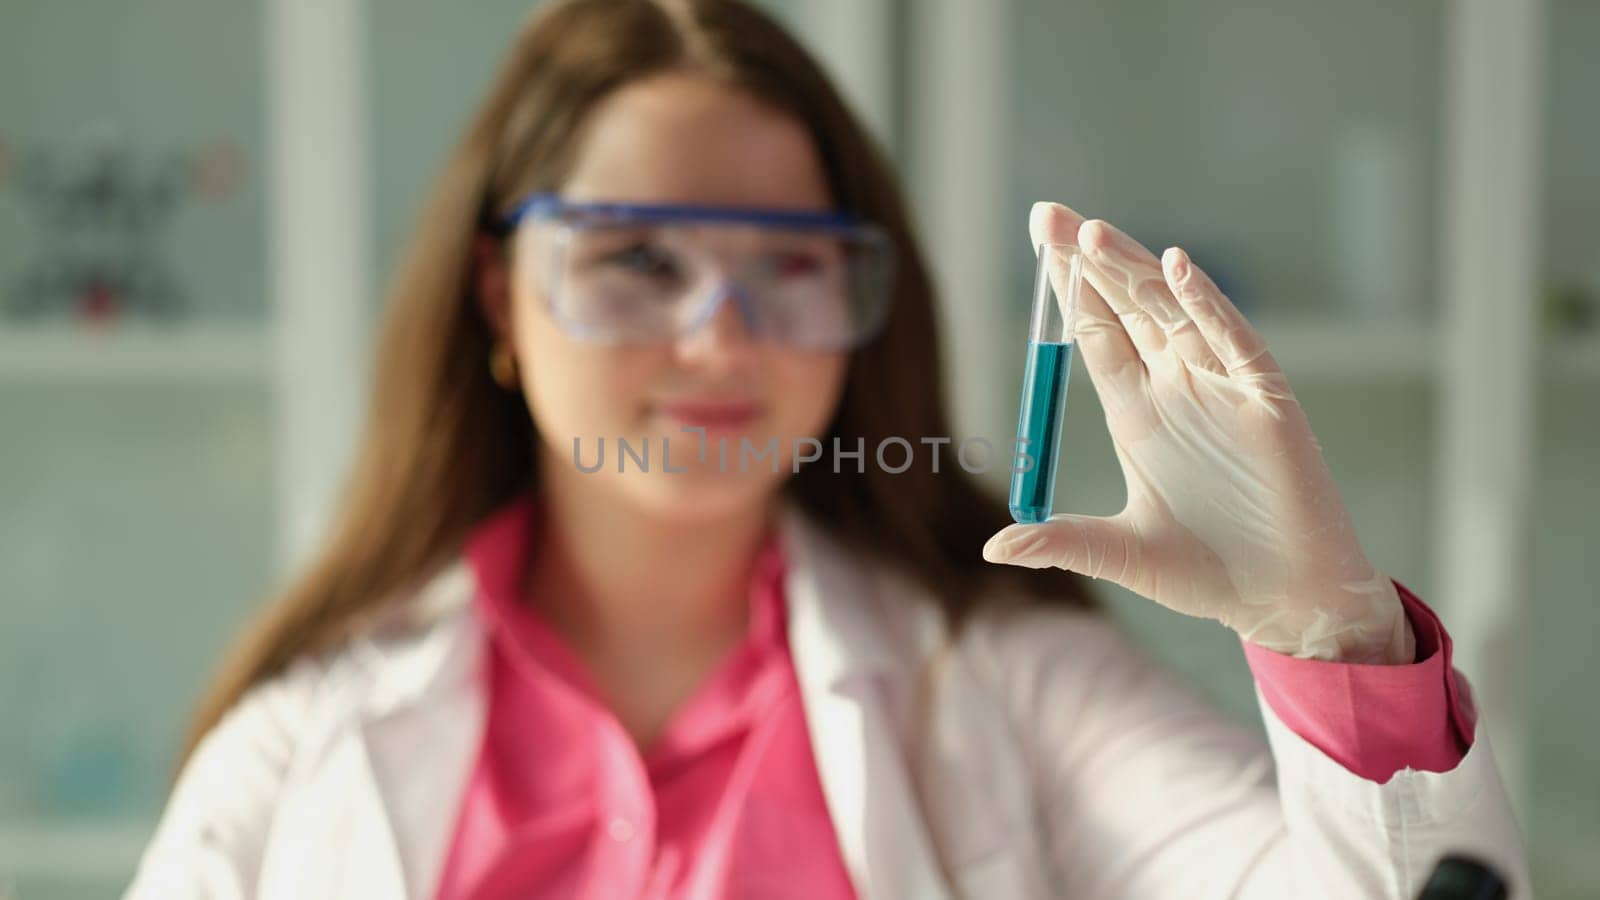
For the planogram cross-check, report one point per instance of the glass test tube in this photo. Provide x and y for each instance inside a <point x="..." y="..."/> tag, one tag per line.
<point x="1044" y="380"/>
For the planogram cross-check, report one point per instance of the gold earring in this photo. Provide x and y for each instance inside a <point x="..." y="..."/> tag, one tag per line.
<point x="502" y="366"/>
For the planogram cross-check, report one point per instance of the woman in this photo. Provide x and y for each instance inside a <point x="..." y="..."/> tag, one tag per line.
<point x="527" y="667"/>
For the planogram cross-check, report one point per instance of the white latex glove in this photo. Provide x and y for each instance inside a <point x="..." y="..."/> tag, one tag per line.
<point x="1232" y="514"/>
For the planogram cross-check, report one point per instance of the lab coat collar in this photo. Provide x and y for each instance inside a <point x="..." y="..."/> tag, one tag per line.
<point x="843" y="627"/>
<point x="428" y="650"/>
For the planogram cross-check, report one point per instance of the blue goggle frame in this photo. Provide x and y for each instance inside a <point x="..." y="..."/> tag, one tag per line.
<point x="549" y="205"/>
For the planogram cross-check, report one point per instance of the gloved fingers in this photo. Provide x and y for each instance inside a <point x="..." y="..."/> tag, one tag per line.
<point x="1142" y="330"/>
<point x="1136" y="274"/>
<point x="1112" y="360"/>
<point x="1098" y="547"/>
<point x="1053" y="223"/>
<point x="1115" y="367"/>
<point x="1232" y="338"/>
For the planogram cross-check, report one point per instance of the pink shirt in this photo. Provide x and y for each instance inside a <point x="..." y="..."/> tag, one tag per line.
<point x="561" y="803"/>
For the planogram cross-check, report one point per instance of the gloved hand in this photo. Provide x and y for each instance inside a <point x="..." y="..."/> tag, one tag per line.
<point x="1232" y="514"/>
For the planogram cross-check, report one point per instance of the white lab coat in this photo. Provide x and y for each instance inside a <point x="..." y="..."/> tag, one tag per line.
<point x="1053" y="760"/>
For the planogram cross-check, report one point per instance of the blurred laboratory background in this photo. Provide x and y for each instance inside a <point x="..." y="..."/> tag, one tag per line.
<point x="201" y="202"/>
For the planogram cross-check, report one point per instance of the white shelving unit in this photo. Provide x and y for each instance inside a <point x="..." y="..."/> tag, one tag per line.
<point x="319" y="214"/>
<point x="136" y="355"/>
<point x="309" y="354"/>
<point x="1489" y="271"/>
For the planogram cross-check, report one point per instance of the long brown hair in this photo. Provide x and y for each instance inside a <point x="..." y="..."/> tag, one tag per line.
<point x="443" y="445"/>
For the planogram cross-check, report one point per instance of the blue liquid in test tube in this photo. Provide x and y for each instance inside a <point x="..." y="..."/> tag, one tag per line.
<point x="1044" y="394"/>
<point x="1044" y="381"/>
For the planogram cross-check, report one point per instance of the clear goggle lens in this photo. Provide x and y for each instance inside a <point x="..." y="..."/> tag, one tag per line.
<point x="812" y="286"/>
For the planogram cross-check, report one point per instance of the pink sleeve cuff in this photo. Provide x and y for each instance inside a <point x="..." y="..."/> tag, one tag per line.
<point x="1372" y="719"/>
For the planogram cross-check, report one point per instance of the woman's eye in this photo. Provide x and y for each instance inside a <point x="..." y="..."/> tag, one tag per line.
<point x="642" y="259"/>
<point x="795" y="265"/>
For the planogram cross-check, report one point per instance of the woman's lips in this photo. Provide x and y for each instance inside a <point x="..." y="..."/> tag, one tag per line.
<point x="710" y="415"/>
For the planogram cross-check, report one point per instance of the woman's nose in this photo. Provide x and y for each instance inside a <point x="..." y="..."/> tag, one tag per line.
<point x="727" y="336"/>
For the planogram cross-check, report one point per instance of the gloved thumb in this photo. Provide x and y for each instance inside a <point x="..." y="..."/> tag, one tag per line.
<point x="1095" y="546"/>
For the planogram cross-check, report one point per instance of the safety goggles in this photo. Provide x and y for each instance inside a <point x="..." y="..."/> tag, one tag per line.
<point x="641" y="273"/>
